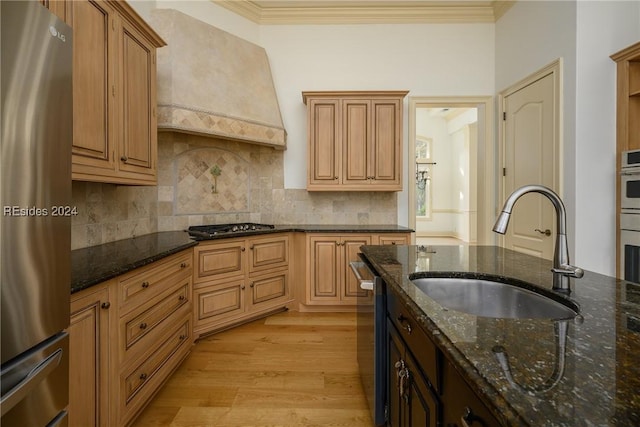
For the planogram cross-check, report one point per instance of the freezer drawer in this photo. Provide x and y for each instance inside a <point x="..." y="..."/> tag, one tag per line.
<point x="35" y="385"/>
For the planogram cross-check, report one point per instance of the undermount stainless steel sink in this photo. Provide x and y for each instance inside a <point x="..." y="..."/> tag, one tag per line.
<point x="488" y="298"/>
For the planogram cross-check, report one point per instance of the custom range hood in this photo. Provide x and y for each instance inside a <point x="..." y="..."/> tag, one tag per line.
<point x="212" y="83"/>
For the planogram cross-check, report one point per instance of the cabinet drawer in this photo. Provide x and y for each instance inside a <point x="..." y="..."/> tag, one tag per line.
<point x="270" y="288"/>
<point x="220" y="260"/>
<point x="268" y="253"/>
<point x="218" y="301"/>
<point x="144" y="323"/>
<point x="137" y="288"/>
<point x="417" y="340"/>
<point x="137" y="378"/>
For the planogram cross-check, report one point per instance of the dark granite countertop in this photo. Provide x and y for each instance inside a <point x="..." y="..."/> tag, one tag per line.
<point x="95" y="264"/>
<point x="599" y="383"/>
<point x="316" y="228"/>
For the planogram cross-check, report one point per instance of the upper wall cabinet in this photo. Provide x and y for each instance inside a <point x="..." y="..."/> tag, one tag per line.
<point x="114" y="93"/>
<point x="628" y="104"/>
<point x="355" y="140"/>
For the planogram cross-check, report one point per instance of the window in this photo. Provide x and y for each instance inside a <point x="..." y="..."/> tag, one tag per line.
<point x="423" y="177"/>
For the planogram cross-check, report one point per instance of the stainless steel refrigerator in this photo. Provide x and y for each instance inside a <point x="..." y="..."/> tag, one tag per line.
<point x="36" y="131"/>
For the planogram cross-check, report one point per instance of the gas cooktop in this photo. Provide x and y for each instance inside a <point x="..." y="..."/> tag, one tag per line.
<point x="200" y="232"/>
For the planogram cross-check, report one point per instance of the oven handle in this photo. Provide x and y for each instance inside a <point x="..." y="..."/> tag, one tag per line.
<point x="357" y="267"/>
<point x="630" y="172"/>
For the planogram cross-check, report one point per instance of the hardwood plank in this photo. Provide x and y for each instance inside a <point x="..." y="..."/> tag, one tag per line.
<point x="290" y="369"/>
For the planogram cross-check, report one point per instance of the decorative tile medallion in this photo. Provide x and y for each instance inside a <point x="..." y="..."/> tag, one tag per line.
<point x="211" y="180"/>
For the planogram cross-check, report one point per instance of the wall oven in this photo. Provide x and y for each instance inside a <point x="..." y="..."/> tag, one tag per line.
<point x="630" y="216"/>
<point x="630" y="181"/>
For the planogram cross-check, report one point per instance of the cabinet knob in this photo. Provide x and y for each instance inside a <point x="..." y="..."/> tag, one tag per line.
<point x="182" y="298"/>
<point x="143" y="376"/>
<point x="251" y="285"/>
<point x="243" y="249"/>
<point x="105" y="305"/>
<point x="143" y="325"/>
<point x="243" y="287"/>
<point x="145" y="285"/>
<point x="251" y="247"/>
<point x="124" y="158"/>
<point x="335" y="177"/>
<point x="182" y="337"/>
<point x="183" y="265"/>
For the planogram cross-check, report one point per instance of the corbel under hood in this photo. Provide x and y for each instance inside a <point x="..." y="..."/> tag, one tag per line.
<point x="213" y="83"/>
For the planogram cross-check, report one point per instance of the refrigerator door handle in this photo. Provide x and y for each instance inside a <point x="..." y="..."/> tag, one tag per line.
<point x="33" y="378"/>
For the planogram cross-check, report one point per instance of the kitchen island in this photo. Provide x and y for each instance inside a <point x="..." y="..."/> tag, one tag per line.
<point x="592" y="379"/>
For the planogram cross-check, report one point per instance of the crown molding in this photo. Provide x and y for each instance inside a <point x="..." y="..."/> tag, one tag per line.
<point x="293" y="12"/>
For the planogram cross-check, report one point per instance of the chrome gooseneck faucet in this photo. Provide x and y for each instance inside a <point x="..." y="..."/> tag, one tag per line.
<point x="562" y="270"/>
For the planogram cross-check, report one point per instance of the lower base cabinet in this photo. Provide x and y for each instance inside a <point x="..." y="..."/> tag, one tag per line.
<point x="424" y="389"/>
<point x="411" y="402"/>
<point x="127" y="336"/>
<point x="89" y="356"/>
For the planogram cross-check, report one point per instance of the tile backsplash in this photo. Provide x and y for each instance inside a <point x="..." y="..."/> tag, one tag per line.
<point x="212" y="181"/>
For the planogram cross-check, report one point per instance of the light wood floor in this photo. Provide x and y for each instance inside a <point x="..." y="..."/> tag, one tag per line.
<point x="290" y="369"/>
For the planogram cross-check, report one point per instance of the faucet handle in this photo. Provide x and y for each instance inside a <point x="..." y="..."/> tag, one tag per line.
<point x="569" y="270"/>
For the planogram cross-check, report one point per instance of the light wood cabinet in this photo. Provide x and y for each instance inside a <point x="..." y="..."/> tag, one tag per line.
<point x="329" y="280"/>
<point x="627" y="119"/>
<point x="354" y="140"/>
<point x="90" y="382"/>
<point x="57" y="7"/>
<point x="155" y="329"/>
<point x="114" y="90"/>
<point x="240" y="279"/>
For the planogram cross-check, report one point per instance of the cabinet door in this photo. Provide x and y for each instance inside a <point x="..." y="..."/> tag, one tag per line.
<point x="89" y="357"/>
<point x="224" y="259"/>
<point x="136" y="77"/>
<point x="325" y="279"/>
<point x="350" y="247"/>
<point x="268" y="253"/>
<point x="93" y="87"/>
<point x="386" y="143"/>
<point x="217" y="303"/>
<point x="324" y="142"/>
<point x="356" y="136"/>
<point x="420" y="405"/>
<point x="395" y="350"/>
<point x="265" y="291"/>
<point x="57" y="7"/>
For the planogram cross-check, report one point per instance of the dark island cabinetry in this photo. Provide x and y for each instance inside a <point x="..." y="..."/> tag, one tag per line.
<point x="424" y="388"/>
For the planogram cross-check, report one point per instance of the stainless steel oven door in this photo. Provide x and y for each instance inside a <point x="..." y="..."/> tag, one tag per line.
<point x="630" y="188"/>
<point x="630" y="247"/>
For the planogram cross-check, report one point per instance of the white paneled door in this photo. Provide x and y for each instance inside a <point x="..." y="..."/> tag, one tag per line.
<point x="531" y="157"/>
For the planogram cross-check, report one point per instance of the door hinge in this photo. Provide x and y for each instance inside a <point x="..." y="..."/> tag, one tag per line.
<point x="504" y="171"/>
<point x="504" y="115"/>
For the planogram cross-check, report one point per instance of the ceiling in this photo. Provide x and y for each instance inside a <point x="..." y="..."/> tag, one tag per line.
<point x="279" y="12"/>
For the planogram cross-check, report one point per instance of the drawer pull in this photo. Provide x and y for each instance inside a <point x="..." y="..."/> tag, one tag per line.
<point x="143" y="326"/>
<point x="145" y="285"/>
<point x="143" y="376"/>
<point x="183" y="337"/>
<point x="181" y="298"/>
<point x="105" y="305"/>
<point x="404" y="320"/>
<point x="184" y="265"/>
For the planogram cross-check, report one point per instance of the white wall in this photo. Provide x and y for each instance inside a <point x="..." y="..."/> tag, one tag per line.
<point x="603" y="28"/>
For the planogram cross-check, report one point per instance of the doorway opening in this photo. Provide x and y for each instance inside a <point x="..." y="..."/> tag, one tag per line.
<point x="452" y="185"/>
